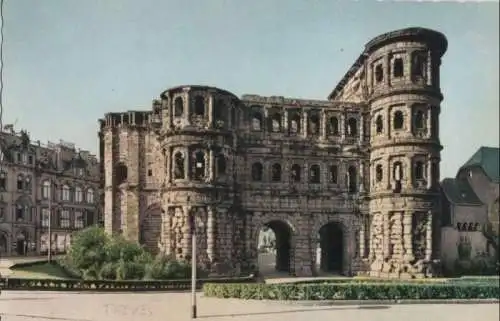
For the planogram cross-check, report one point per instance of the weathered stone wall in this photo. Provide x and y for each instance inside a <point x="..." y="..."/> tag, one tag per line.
<point x="405" y="155"/>
<point x="234" y="166"/>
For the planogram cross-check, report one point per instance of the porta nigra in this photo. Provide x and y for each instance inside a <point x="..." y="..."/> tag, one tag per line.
<point x="357" y="173"/>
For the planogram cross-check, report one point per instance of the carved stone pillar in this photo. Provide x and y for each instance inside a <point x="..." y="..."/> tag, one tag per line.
<point x="428" y="236"/>
<point x="342" y="175"/>
<point x="428" y="77"/>
<point x="323" y="125"/>
<point x="361" y="129"/>
<point x="168" y="164"/>
<point x="428" y="123"/>
<point x="210" y="166"/>
<point x="305" y="119"/>
<point x="362" y="232"/>
<point x="211" y="111"/>
<point x="187" y="110"/>
<point x="285" y="121"/>
<point x="266" y="120"/>
<point x="187" y="161"/>
<point x="361" y="176"/>
<point x="387" y="232"/>
<point x="387" y="71"/>
<point x="429" y="173"/>
<point x="342" y="126"/>
<point x="407" y="236"/>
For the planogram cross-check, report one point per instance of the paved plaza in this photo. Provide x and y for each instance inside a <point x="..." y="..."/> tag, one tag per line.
<point x="46" y="306"/>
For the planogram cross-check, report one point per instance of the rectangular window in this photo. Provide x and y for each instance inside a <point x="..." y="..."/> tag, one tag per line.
<point x="65" y="193"/>
<point x="2" y="214"/>
<point x="45" y="191"/>
<point x="78" y="195"/>
<point x="64" y="220"/>
<point x="79" y="221"/>
<point x="45" y="219"/>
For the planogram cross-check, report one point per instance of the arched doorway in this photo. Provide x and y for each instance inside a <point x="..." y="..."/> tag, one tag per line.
<point x="21" y="243"/>
<point x="3" y="244"/>
<point x="331" y="248"/>
<point x="275" y="247"/>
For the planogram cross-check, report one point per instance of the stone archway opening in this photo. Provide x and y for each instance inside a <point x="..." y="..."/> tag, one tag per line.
<point x="275" y="248"/>
<point x="331" y="247"/>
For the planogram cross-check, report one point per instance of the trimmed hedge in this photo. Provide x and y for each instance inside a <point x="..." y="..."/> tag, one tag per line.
<point x="110" y="285"/>
<point x="467" y="279"/>
<point x="353" y="291"/>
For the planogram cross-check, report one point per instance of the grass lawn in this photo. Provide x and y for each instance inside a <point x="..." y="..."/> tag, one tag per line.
<point x="39" y="271"/>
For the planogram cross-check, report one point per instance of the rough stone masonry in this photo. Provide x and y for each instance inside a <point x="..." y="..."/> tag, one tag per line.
<point x="357" y="173"/>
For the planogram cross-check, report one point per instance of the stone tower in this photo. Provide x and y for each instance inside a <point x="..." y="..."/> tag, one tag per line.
<point x="123" y="137"/>
<point x="404" y="100"/>
<point x="199" y="145"/>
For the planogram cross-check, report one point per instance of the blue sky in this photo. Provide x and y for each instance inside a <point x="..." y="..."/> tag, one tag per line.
<point x="68" y="62"/>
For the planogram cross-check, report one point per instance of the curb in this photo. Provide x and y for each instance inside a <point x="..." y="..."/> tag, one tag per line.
<point x="388" y="302"/>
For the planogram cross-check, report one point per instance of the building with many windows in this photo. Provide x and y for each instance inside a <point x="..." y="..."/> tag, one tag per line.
<point x="356" y="173"/>
<point x="52" y="184"/>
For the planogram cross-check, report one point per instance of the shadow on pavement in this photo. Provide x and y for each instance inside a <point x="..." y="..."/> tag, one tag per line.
<point x="333" y="308"/>
<point x="41" y="317"/>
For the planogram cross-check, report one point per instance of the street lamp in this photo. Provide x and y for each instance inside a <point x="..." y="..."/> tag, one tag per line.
<point x="193" y="264"/>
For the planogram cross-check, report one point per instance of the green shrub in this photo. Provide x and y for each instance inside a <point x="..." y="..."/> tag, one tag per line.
<point x="130" y="270"/>
<point x="108" y="271"/>
<point x="94" y="255"/>
<point x="352" y="291"/>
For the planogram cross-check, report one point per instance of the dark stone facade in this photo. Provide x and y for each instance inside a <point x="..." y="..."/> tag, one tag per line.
<point x="358" y="173"/>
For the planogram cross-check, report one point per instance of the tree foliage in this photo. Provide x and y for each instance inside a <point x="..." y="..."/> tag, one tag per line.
<point x="96" y="255"/>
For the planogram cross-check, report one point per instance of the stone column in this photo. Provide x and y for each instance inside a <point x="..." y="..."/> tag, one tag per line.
<point x="187" y="162"/>
<point x="323" y="125"/>
<point x="211" y="111"/>
<point x="342" y="126"/>
<point x="210" y="234"/>
<point x="428" y="77"/>
<point x="407" y="236"/>
<point x="429" y="173"/>
<point x="210" y="166"/>
<point x="187" y="109"/>
<point x="407" y="173"/>
<point x="305" y="119"/>
<point x="361" y="176"/>
<point x="362" y="232"/>
<point x="387" y="73"/>
<point x="428" y="236"/>
<point x="361" y="129"/>
<point x="342" y="174"/>
<point x="285" y="121"/>
<point x="428" y="123"/>
<point x="168" y="164"/>
<point x="387" y="235"/>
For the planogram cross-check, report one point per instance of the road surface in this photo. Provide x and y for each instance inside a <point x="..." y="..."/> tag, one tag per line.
<point x="58" y="306"/>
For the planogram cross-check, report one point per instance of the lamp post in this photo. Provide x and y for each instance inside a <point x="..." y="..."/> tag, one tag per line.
<point x="193" y="264"/>
<point x="49" y="248"/>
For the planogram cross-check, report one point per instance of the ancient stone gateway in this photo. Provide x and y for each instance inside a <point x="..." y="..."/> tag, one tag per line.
<point x="356" y="175"/>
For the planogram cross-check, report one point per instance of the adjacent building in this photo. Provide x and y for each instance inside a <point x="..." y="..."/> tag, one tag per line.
<point x="471" y="202"/>
<point x="40" y="185"/>
<point x="357" y="173"/>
